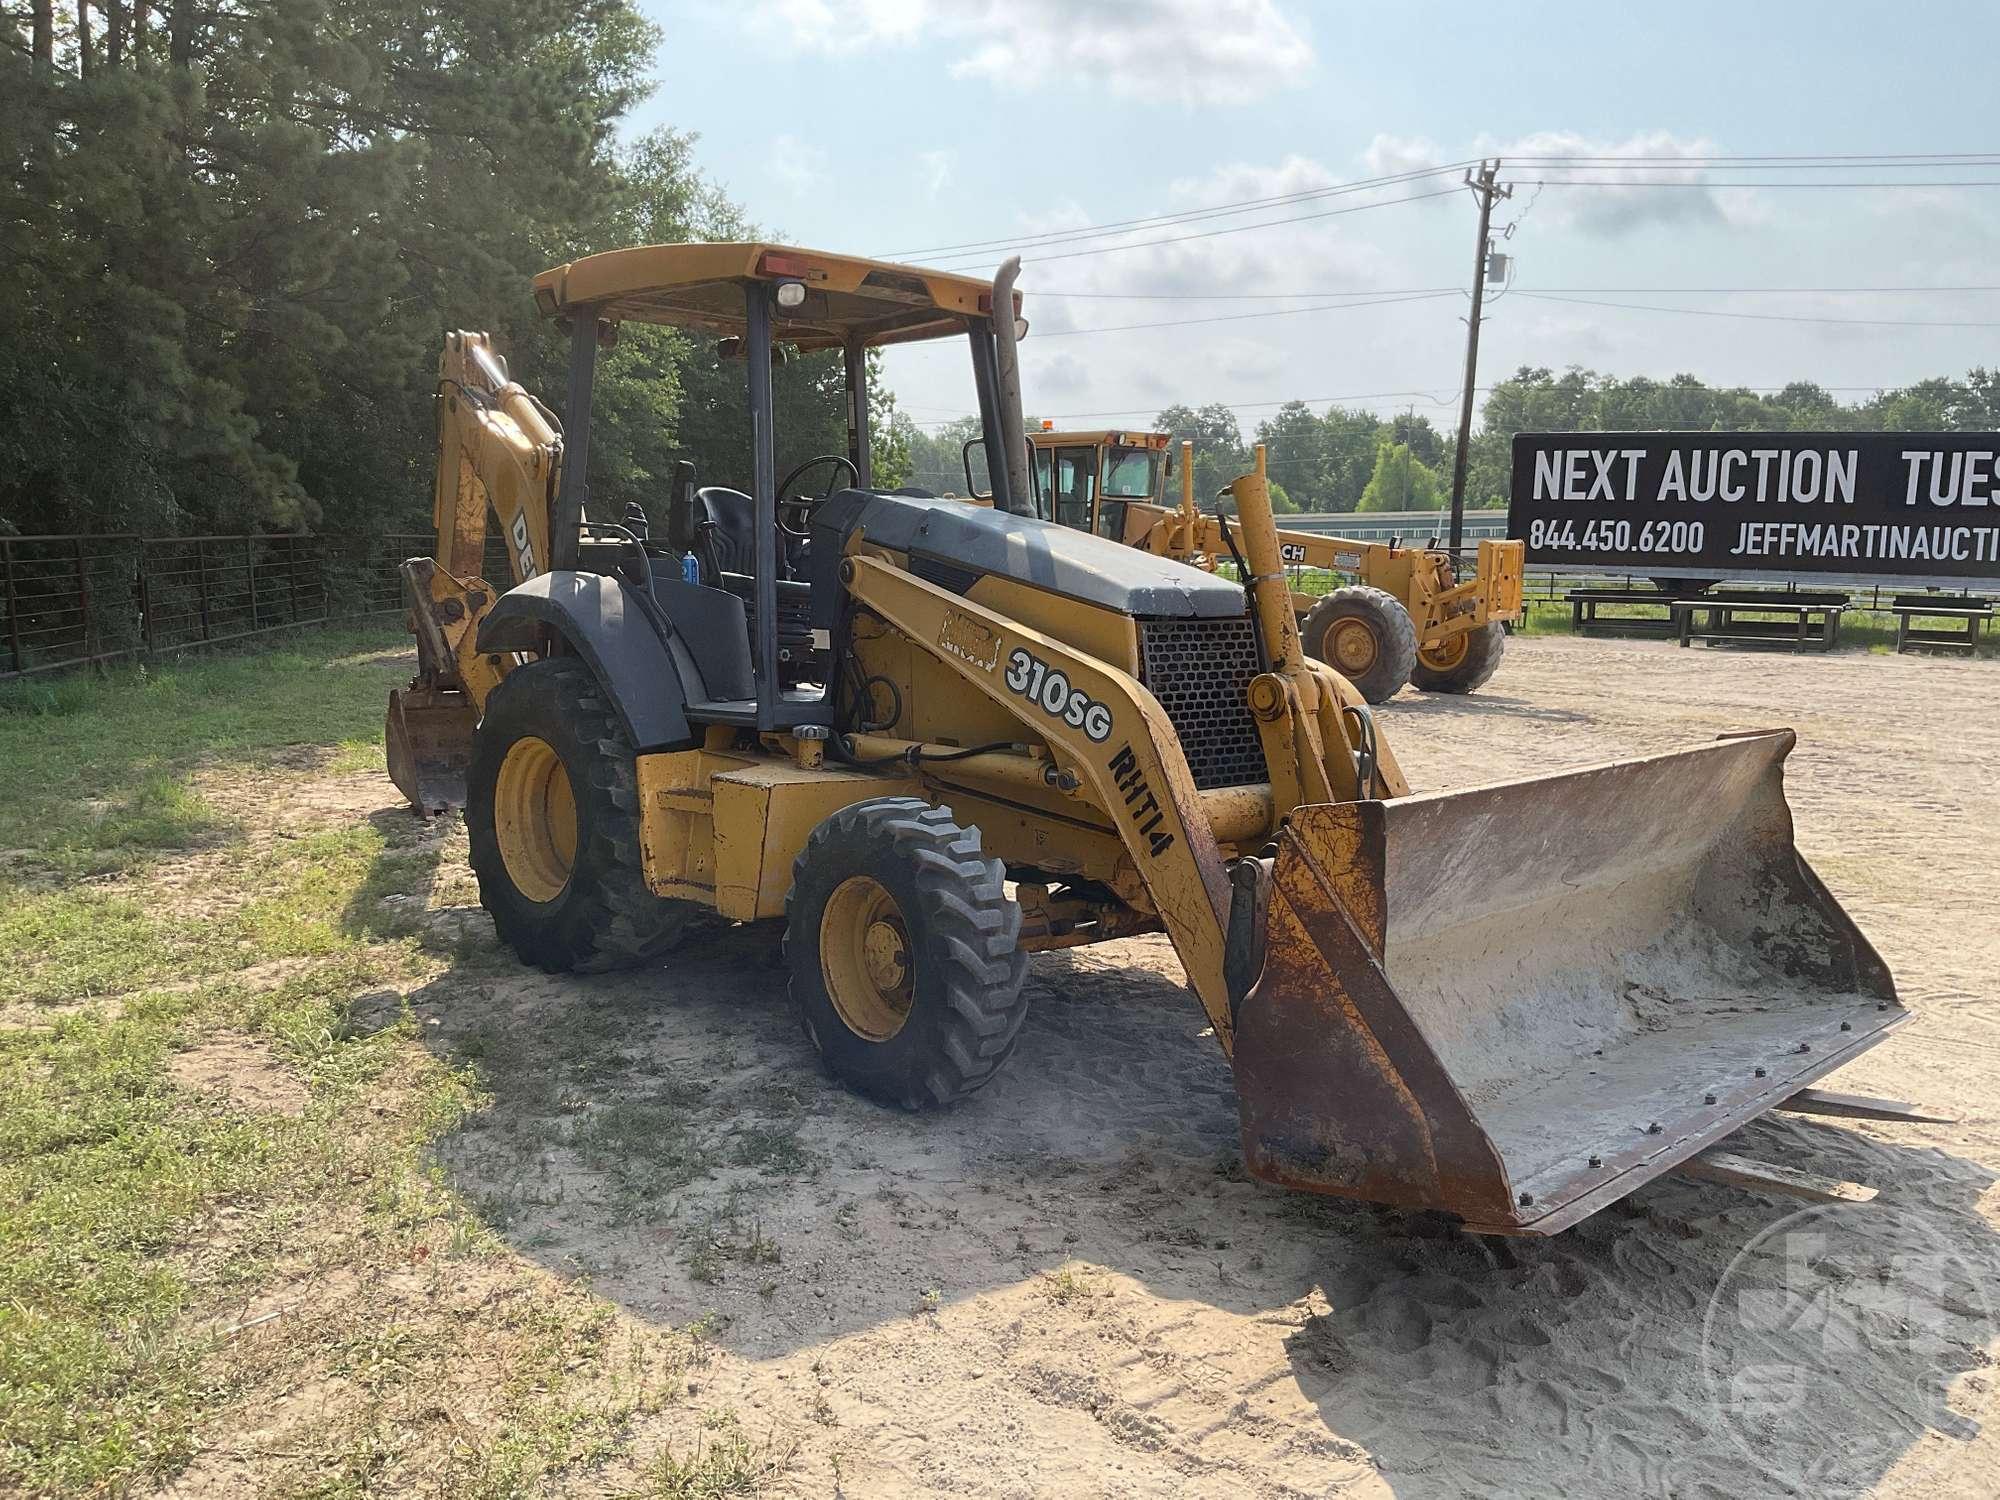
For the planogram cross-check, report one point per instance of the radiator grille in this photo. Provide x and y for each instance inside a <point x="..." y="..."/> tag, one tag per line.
<point x="1200" y="671"/>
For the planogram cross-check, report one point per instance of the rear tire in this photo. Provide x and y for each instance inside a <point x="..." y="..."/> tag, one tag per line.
<point x="1366" y="635"/>
<point x="904" y="951"/>
<point x="552" y="816"/>
<point x="1463" y="663"/>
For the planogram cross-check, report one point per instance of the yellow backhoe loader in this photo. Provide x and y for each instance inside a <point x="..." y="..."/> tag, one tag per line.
<point x="1404" y="618"/>
<point x="992" y="735"/>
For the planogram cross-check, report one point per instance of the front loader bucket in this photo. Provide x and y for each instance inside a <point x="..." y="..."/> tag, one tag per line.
<point x="429" y="745"/>
<point x="1520" y="1002"/>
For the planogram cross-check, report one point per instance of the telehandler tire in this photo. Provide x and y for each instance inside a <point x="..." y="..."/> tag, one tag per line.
<point x="1366" y="635"/>
<point x="903" y="948"/>
<point x="1463" y="663"/>
<point x="552" y="817"/>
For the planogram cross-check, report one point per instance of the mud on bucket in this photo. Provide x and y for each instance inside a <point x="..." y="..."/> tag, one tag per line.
<point x="1520" y="1002"/>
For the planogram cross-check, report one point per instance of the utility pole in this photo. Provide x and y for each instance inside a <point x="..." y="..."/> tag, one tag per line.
<point x="1483" y="188"/>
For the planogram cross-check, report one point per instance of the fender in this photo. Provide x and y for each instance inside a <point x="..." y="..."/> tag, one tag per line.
<point x="629" y="647"/>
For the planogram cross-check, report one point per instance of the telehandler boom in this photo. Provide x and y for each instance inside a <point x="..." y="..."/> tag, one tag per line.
<point x="1406" y="617"/>
<point x="992" y="735"/>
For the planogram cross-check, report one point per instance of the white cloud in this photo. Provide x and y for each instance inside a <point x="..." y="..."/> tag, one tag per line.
<point x="1188" y="259"/>
<point x="843" y="25"/>
<point x="1196" y="51"/>
<point x="1389" y="155"/>
<point x="1240" y="182"/>
<point x="936" y="168"/>
<point x="1689" y="195"/>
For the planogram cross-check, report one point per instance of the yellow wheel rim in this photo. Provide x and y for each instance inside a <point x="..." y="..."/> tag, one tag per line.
<point x="534" y="818"/>
<point x="1443" y="656"/>
<point x="864" y="956"/>
<point x="1350" y="646"/>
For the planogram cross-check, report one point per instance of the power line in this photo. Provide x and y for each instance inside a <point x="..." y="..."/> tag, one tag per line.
<point x="1799" y="162"/>
<point x="1710" y="186"/>
<point x="1716" y="312"/>
<point x="1282" y="312"/>
<point x="1331" y="213"/>
<point x="1914" y="161"/>
<point x="1206" y="211"/>
<point x="1445" y="400"/>
<point x="1648" y="291"/>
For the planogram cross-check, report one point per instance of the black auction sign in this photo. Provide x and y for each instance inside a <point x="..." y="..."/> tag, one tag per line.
<point x="1728" y="504"/>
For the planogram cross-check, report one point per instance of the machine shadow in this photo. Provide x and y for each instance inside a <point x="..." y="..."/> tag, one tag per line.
<point x="670" y="1135"/>
<point x="1420" y="705"/>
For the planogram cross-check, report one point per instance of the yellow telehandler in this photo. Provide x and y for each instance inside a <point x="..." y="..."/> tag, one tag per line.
<point x="930" y="739"/>
<point x="1405" y="618"/>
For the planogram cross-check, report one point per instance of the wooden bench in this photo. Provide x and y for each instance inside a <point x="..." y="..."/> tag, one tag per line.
<point x="1967" y="612"/>
<point x="1812" y="618"/>
<point x="1585" y="603"/>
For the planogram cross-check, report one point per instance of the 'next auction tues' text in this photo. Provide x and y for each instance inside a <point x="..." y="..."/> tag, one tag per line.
<point x="1916" y="504"/>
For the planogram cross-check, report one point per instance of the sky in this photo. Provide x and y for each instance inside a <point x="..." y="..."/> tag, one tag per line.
<point x="906" y="128"/>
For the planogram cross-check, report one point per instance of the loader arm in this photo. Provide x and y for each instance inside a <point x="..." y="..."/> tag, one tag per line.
<point x="1123" y="753"/>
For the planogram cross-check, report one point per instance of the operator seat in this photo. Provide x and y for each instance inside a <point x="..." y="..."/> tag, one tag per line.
<point x="733" y="514"/>
<point x="733" y="526"/>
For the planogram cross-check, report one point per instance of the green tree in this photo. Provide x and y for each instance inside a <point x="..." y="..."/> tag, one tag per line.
<point x="1219" y="453"/>
<point x="1296" y="445"/>
<point x="238" y="232"/>
<point x="1401" y="481"/>
<point x="1416" y="433"/>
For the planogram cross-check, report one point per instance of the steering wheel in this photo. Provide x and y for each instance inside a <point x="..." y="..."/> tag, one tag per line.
<point x="804" y="505"/>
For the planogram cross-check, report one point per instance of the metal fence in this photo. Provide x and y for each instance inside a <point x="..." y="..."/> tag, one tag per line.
<point x="69" y="600"/>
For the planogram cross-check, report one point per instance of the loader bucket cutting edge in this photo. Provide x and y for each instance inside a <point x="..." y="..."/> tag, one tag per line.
<point x="428" y="742"/>
<point x="1520" y="1002"/>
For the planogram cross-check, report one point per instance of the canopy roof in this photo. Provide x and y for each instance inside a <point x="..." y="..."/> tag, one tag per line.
<point x="1049" y="437"/>
<point x="701" y="286"/>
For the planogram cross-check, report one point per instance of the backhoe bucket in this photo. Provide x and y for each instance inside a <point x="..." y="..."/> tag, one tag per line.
<point x="1520" y="1002"/>
<point x="429" y="744"/>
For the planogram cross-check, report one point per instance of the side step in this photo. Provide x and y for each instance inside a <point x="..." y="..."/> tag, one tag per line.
<point x="1769" y="1177"/>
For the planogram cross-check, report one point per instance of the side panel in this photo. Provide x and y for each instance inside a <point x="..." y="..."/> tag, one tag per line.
<point x="724" y="829"/>
<point x="764" y="814"/>
<point x="641" y="667"/>
<point x="676" y="822"/>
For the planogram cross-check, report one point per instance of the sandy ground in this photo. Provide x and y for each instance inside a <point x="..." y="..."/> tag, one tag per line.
<point x="1068" y="1285"/>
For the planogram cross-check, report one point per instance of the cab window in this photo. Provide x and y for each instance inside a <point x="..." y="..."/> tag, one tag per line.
<point x="1042" y="483"/>
<point x="1075" y="485"/>
<point x="1129" y="473"/>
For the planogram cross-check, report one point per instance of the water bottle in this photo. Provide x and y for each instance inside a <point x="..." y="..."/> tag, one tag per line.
<point x="690" y="568"/>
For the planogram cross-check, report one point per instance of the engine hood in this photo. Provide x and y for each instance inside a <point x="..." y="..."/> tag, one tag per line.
<point x="953" y="545"/>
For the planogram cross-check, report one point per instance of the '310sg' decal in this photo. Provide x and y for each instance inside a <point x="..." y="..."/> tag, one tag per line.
<point x="1050" y="691"/>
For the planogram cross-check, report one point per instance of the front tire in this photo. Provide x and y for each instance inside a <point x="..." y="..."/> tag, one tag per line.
<point x="1463" y="663"/>
<point x="552" y="817"/>
<point x="904" y="953"/>
<point x="1366" y="636"/>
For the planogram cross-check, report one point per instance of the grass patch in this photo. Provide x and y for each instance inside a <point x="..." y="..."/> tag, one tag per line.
<point x="1072" y="1283"/>
<point x="648" y="1149"/>
<point x="724" y="1464"/>
<point x="774" y="1149"/>
<point x="111" y="1182"/>
<point x="314" y="897"/>
<point x="140" y="1218"/>
<point x="99" y="761"/>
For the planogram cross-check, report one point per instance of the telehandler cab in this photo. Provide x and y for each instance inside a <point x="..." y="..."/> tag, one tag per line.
<point x="931" y="738"/>
<point x="1405" y="617"/>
